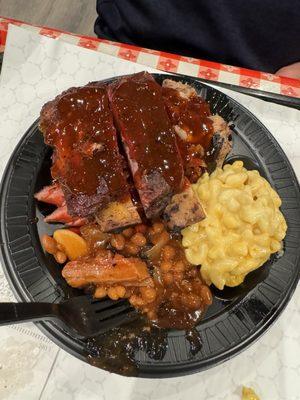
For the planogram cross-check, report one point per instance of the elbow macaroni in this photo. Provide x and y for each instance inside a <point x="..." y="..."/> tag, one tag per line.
<point x="242" y="228"/>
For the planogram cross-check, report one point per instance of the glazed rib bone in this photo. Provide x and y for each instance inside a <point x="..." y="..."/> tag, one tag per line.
<point x="148" y="139"/>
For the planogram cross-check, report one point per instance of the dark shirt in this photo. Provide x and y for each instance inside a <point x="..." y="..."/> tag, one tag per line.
<point x="258" y="34"/>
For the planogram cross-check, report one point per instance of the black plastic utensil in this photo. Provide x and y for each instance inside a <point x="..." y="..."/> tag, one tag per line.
<point x="83" y="316"/>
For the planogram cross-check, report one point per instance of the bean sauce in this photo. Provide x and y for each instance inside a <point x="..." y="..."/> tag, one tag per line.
<point x="176" y="296"/>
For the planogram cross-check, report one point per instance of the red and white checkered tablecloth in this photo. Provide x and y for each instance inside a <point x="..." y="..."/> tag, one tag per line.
<point x="168" y="62"/>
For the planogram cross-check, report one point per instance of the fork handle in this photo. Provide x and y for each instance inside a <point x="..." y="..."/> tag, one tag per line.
<point x="12" y="313"/>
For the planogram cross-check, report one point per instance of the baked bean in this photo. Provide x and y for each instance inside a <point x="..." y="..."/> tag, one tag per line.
<point x="197" y="286"/>
<point x="136" y="300"/>
<point x="178" y="277"/>
<point x="128" y="232"/>
<point x="179" y="266"/>
<point x="187" y="286"/>
<point x="138" y="239"/>
<point x="155" y="238"/>
<point x="168" y="278"/>
<point x="100" y="292"/>
<point x="132" y="249"/>
<point x="148" y="294"/>
<point x="49" y="244"/>
<point x="103" y="253"/>
<point x="120" y="290"/>
<point x="191" y="301"/>
<point x="117" y="241"/>
<point x="133" y="299"/>
<point x="157" y="227"/>
<point x="206" y="295"/>
<point x="165" y="266"/>
<point x="60" y="257"/>
<point x="112" y="293"/>
<point x="141" y="228"/>
<point x="168" y="252"/>
<point x="165" y="235"/>
<point x="162" y="236"/>
<point x="174" y="296"/>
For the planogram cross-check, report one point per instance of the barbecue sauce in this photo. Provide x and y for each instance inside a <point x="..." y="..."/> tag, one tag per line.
<point x="116" y="350"/>
<point x="86" y="156"/>
<point x="181" y="297"/>
<point x="191" y="118"/>
<point x="119" y="349"/>
<point x="179" y="303"/>
<point x="146" y="130"/>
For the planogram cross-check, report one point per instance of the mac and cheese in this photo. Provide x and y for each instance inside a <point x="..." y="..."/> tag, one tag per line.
<point x="242" y="228"/>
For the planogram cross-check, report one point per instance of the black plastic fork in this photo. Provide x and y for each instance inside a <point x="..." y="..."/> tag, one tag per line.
<point x="82" y="316"/>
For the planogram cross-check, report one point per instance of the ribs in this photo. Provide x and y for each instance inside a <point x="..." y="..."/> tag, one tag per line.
<point x="62" y="216"/>
<point x="89" y="171"/>
<point x="54" y="195"/>
<point x="148" y="139"/>
<point x="113" y="216"/>
<point x="87" y="164"/>
<point x="51" y="194"/>
<point x="201" y="137"/>
<point x="221" y="141"/>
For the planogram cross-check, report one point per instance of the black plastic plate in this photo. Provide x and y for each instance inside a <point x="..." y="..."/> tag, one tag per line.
<point x="236" y="318"/>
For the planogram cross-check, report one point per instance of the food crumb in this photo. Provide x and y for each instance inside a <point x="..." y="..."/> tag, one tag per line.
<point x="249" y="394"/>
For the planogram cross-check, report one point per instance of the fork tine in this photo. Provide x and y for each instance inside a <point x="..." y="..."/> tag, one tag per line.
<point x="117" y="320"/>
<point x="112" y="311"/>
<point x="94" y="301"/>
<point x="103" y="304"/>
<point x="95" y="316"/>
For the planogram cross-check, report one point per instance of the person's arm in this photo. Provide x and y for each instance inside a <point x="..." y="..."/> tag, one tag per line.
<point x="290" y="71"/>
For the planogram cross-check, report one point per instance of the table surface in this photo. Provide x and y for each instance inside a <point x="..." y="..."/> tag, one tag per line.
<point x="286" y="90"/>
<point x="31" y="366"/>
